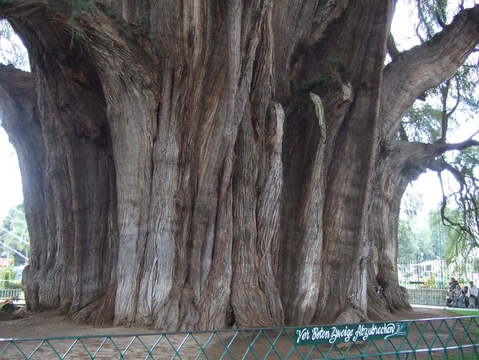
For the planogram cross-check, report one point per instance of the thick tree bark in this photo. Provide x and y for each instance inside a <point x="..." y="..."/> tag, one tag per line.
<point x="18" y="114"/>
<point x="204" y="164"/>
<point x="68" y="176"/>
<point x="396" y="168"/>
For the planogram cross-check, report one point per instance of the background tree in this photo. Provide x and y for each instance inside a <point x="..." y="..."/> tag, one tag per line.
<point x="14" y="234"/>
<point x="407" y="244"/>
<point x="421" y="138"/>
<point x="463" y="201"/>
<point x="12" y="51"/>
<point x="196" y="164"/>
<point x="438" y="114"/>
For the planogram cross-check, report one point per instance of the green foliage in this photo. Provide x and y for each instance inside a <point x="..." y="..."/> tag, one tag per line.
<point x="454" y="101"/>
<point x="407" y="246"/>
<point x="7" y="274"/>
<point x="433" y="15"/>
<point x="471" y="331"/>
<point x="14" y="285"/>
<point x="410" y="204"/>
<point x="333" y="70"/>
<point x="14" y="234"/>
<point x="77" y="6"/>
<point x="417" y="242"/>
<point x="7" y="279"/>
<point x="466" y="80"/>
<point x="12" y="52"/>
<point x="463" y="312"/>
<point x="430" y="282"/>
<point x="461" y="217"/>
<point x="448" y="107"/>
<point x="435" y="118"/>
<point x="423" y="123"/>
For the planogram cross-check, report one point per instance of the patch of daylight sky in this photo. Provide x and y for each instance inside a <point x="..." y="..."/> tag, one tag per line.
<point x="10" y="181"/>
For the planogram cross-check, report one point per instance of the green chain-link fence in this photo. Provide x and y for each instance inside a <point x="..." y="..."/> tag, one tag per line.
<point x="448" y="338"/>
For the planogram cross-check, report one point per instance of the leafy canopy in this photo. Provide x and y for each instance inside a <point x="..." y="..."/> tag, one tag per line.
<point x="447" y="115"/>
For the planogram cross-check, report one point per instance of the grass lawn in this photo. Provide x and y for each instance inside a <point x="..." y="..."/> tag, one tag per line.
<point x="464" y="312"/>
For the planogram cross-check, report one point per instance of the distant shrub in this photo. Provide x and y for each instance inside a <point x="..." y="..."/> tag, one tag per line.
<point x="430" y="282"/>
<point x="8" y="281"/>
<point x="14" y="284"/>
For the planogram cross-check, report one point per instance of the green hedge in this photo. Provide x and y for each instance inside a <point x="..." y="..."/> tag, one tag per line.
<point x="10" y="284"/>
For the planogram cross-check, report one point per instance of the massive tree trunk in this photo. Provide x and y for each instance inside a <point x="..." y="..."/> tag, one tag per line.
<point x="204" y="164"/>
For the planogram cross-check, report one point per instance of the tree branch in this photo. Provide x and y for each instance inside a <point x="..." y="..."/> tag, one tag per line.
<point x="426" y="66"/>
<point x="17" y="95"/>
<point x="16" y="80"/>
<point x="440" y="148"/>
<point x="392" y="48"/>
<point x="462" y="200"/>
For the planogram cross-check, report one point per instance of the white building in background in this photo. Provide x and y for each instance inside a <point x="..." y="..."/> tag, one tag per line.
<point x="420" y="271"/>
<point x="424" y="271"/>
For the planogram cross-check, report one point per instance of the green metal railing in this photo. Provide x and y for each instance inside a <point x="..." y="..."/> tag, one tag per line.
<point x="430" y="297"/>
<point x="447" y="338"/>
